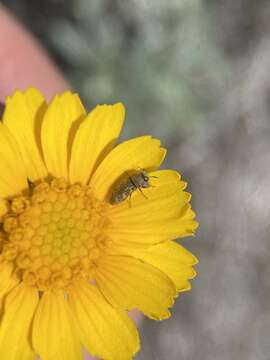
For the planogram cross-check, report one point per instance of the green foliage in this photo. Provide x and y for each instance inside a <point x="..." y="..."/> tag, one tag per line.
<point x="157" y="57"/>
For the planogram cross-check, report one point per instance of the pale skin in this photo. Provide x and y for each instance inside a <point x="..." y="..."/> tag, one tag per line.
<point x="23" y="63"/>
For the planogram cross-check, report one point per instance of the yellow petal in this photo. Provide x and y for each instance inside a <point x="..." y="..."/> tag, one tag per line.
<point x="94" y="139"/>
<point x="153" y="232"/>
<point x="105" y="332"/>
<point x="8" y="280"/>
<point x="27" y="354"/>
<point x="3" y="208"/>
<point x="61" y="118"/>
<point x="140" y="153"/>
<point x="13" y="173"/>
<point x="163" y="200"/>
<point x="128" y="283"/>
<point x="171" y="258"/>
<point x="22" y="113"/>
<point x="20" y="305"/>
<point x="53" y="334"/>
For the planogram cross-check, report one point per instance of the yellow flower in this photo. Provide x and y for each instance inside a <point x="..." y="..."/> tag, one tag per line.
<point x="72" y="261"/>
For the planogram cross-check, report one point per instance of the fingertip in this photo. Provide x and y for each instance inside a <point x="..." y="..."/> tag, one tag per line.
<point x="23" y="62"/>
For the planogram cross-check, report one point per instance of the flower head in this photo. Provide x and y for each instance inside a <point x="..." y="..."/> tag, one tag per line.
<point x="87" y="230"/>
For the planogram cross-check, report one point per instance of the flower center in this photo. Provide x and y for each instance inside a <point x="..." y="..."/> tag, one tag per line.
<point x="54" y="234"/>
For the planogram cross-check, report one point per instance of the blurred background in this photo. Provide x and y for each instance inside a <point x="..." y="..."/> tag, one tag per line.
<point x="196" y="74"/>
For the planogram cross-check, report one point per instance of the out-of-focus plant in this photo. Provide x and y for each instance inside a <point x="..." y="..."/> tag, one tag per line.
<point x="158" y="57"/>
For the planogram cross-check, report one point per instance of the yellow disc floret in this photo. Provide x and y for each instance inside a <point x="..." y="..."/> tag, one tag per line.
<point x="54" y="234"/>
